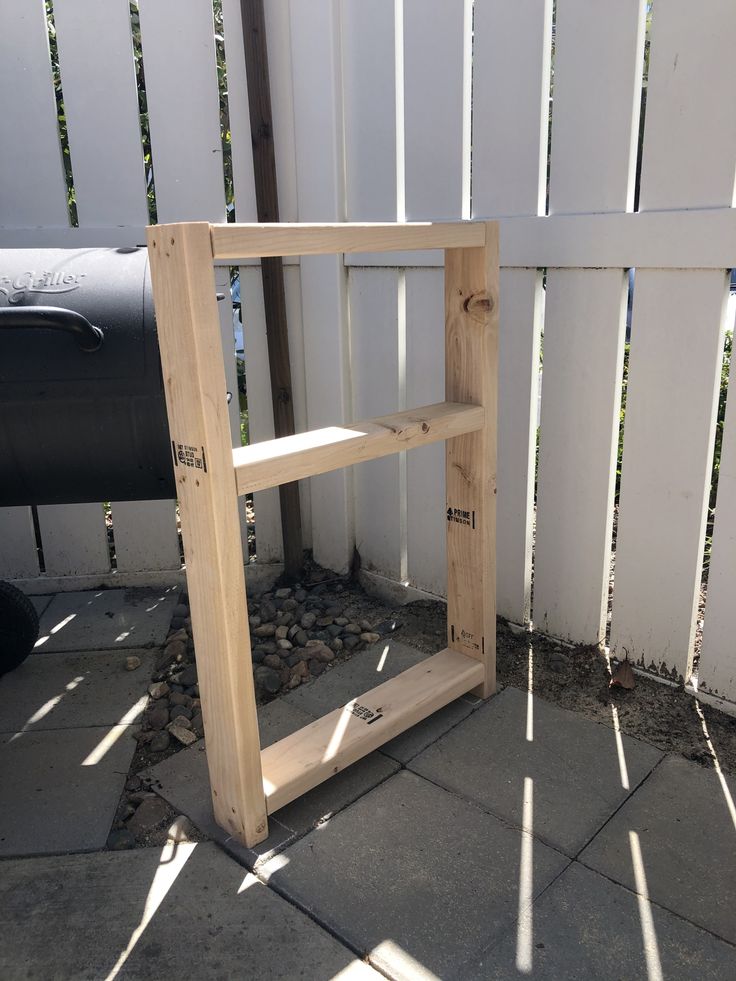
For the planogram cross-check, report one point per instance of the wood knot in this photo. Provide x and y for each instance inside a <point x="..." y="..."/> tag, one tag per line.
<point x="478" y="306"/>
<point x="425" y="427"/>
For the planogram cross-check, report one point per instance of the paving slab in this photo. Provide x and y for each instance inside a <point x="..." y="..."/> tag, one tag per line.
<point x="41" y="602"/>
<point x="677" y="834"/>
<point x="573" y="765"/>
<point x="365" y="670"/>
<point x="183" y="781"/>
<point x="585" y="926"/>
<point x="106" y="619"/>
<point x="148" y="914"/>
<point x="411" y="742"/>
<point x="413" y="876"/>
<point x="60" y="788"/>
<point x="72" y="690"/>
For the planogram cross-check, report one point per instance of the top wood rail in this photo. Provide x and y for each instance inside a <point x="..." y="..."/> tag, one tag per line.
<point x="252" y="241"/>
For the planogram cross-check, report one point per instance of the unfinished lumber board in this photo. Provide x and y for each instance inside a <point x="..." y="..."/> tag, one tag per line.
<point x="304" y="759"/>
<point x="251" y="241"/>
<point x="471" y="364"/>
<point x="194" y="379"/>
<point x="279" y="461"/>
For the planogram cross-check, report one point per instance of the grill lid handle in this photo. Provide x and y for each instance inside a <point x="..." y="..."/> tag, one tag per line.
<point x="88" y="337"/>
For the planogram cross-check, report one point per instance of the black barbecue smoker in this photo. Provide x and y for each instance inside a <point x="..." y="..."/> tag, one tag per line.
<point x="82" y="408"/>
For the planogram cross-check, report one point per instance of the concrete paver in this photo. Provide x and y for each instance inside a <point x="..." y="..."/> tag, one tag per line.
<point x="107" y="619"/>
<point x="576" y="775"/>
<point x="61" y="788"/>
<point x="410" y="743"/>
<point x="585" y="926"/>
<point x="74" y="690"/>
<point x="41" y="602"/>
<point x="683" y="845"/>
<point x="186" y="911"/>
<point x="413" y="876"/>
<point x="183" y="781"/>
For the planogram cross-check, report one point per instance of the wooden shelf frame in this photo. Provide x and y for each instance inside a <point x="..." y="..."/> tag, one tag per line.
<point x="248" y="783"/>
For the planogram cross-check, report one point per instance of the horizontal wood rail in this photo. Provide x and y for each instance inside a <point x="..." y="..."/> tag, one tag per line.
<point x="250" y="241"/>
<point x="304" y="759"/>
<point x="279" y="461"/>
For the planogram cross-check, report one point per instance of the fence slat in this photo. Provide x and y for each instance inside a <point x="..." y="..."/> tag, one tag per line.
<point x="594" y="138"/>
<point x="33" y="188"/>
<point x="110" y="189"/>
<point x="717" y="668"/>
<point x="18" y="555"/>
<point x="374" y="349"/>
<point x="512" y="41"/>
<point x="74" y="545"/>
<point x="32" y="191"/>
<point x="436" y="138"/>
<point x="315" y="51"/>
<point x="581" y="396"/>
<point x="94" y="42"/>
<point x="184" y="110"/>
<point x="425" y="384"/>
<point x="689" y="160"/>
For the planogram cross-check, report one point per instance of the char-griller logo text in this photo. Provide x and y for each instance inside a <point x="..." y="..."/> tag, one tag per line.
<point x="25" y="283"/>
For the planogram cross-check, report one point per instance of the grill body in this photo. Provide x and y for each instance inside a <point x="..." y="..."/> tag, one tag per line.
<point x="80" y="425"/>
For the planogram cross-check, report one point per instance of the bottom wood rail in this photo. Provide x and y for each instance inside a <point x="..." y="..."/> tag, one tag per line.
<point x="304" y="759"/>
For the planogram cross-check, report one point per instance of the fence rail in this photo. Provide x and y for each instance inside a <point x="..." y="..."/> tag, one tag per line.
<point x="601" y="143"/>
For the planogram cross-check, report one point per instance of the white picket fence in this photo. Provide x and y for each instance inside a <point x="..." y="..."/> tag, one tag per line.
<point x="436" y="109"/>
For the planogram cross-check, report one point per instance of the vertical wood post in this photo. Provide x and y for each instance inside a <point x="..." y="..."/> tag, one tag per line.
<point x="471" y="365"/>
<point x="272" y="270"/>
<point x="194" y="379"/>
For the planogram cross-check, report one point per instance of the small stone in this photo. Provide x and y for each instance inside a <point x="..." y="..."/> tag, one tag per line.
<point x="257" y="655"/>
<point x="314" y="642"/>
<point x="285" y="674"/>
<point x="157" y="717"/>
<point x="180" y="634"/>
<point x="283" y="594"/>
<point x="300" y="638"/>
<point x="173" y="652"/>
<point x="132" y="662"/>
<point x="336" y="645"/>
<point x="334" y="630"/>
<point x="369" y="637"/>
<point x="285" y="620"/>
<point x="160" y="742"/>
<point x="333" y="611"/>
<point x="289" y="605"/>
<point x="266" y="679"/>
<point x="342" y="621"/>
<point x="254" y="622"/>
<point x="292" y="631"/>
<point x="158" y="690"/>
<point x="179" y="698"/>
<point x="316" y="668"/>
<point x="284" y="645"/>
<point x="185" y="736"/>
<point x="181" y="611"/>
<point x="300" y="595"/>
<point x="281" y="633"/>
<point x="198" y="724"/>
<point x="353" y="628"/>
<point x="325" y="655"/>
<point x="265" y="630"/>
<point x="179" y="711"/>
<point x="386" y="627"/>
<point x="181" y="830"/>
<point x="176" y="623"/>
<point x="148" y="816"/>
<point x="133" y="783"/>
<point x="324" y="621"/>
<point x="300" y="670"/>
<point x="308" y="620"/>
<point x="118" y="841"/>
<point x="365" y="626"/>
<point x="294" y="681"/>
<point x="182" y="721"/>
<point x="188" y="676"/>
<point x="293" y="659"/>
<point x="272" y="661"/>
<point x="268" y="611"/>
<point x="268" y="647"/>
<point x="142" y="738"/>
<point x="350" y="642"/>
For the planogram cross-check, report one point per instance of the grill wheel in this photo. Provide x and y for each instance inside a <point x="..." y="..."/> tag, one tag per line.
<point x="18" y="627"/>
